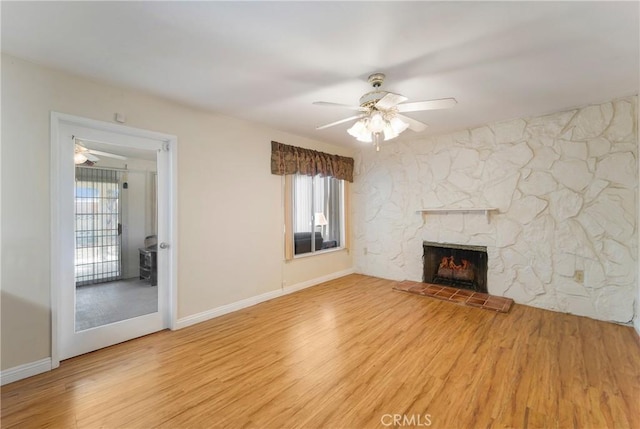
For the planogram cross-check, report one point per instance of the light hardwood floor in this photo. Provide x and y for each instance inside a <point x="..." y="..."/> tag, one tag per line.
<point x="350" y="353"/>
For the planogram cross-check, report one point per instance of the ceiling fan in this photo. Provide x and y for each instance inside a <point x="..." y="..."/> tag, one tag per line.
<point x="381" y="111"/>
<point x="83" y="155"/>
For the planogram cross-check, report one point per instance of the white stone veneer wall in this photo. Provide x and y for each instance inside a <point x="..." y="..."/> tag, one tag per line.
<point x="565" y="185"/>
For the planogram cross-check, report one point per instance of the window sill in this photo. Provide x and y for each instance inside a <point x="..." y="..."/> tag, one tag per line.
<point x="318" y="252"/>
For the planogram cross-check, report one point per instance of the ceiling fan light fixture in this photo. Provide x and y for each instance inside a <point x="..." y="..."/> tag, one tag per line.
<point x="398" y="125"/>
<point x="365" y="138"/>
<point x="380" y="116"/>
<point x="389" y="132"/>
<point x="376" y="123"/>
<point x="377" y="127"/>
<point x="359" y="129"/>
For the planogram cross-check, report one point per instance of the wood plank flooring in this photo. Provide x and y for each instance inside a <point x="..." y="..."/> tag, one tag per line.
<point x="351" y="353"/>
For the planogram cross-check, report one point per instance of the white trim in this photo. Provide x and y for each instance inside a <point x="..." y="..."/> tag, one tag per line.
<point x="319" y="252"/>
<point x="54" y="255"/>
<point x="23" y="371"/>
<point x="248" y="302"/>
<point x="111" y="127"/>
<point x="128" y="136"/>
<point x="172" y="316"/>
<point x="313" y="282"/>
<point x="43" y="365"/>
<point x="486" y="210"/>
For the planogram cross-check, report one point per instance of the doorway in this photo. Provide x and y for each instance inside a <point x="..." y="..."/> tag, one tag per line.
<point x="115" y="235"/>
<point x="98" y="225"/>
<point x="112" y="207"/>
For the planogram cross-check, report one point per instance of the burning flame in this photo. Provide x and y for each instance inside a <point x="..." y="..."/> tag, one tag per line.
<point x="450" y="263"/>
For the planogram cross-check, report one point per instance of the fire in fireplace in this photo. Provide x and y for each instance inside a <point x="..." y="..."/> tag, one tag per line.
<point x="456" y="265"/>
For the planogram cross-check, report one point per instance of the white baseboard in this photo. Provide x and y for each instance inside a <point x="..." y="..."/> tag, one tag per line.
<point x="43" y="365"/>
<point x="23" y="371"/>
<point x="248" y="302"/>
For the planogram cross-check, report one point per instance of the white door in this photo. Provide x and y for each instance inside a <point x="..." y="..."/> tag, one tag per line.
<point x="72" y="338"/>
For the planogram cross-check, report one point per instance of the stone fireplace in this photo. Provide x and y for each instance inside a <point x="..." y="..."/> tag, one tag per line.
<point x="565" y="187"/>
<point x="455" y="265"/>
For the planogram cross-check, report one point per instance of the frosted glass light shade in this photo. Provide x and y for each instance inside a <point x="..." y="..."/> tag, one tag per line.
<point x="389" y="132"/>
<point x="376" y="128"/>
<point x="358" y="129"/>
<point x="398" y="125"/>
<point x="365" y="138"/>
<point x="377" y="122"/>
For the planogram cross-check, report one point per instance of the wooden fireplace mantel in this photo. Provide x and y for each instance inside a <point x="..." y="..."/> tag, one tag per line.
<point x="486" y="210"/>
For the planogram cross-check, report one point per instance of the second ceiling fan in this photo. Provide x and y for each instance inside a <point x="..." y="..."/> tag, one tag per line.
<point x="381" y="117"/>
<point x="84" y="155"/>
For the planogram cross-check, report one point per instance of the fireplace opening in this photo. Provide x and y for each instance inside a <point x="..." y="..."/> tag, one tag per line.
<point x="456" y="265"/>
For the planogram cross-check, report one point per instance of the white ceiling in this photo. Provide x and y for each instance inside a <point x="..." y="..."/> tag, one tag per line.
<point x="268" y="61"/>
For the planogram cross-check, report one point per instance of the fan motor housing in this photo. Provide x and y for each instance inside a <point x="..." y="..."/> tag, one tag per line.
<point x="376" y="79"/>
<point x="371" y="98"/>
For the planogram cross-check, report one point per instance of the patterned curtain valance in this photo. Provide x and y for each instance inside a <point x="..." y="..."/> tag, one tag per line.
<point x="287" y="159"/>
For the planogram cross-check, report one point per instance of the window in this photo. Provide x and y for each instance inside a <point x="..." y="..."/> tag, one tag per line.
<point x="316" y="209"/>
<point x="97" y="226"/>
<point x="317" y="213"/>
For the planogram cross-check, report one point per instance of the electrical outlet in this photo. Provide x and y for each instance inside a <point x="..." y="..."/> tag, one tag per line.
<point x="578" y="276"/>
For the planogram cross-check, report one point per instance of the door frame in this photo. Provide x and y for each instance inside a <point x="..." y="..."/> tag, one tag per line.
<point x="57" y="189"/>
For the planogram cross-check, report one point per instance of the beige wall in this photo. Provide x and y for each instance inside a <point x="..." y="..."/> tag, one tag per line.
<point x="229" y="204"/>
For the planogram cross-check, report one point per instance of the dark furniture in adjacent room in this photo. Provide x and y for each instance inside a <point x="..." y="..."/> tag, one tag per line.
<point x="149" y="260"/>
<point x="329" y="244"/>
<point x="149" y="265"/>
<point x="302" y="242"/>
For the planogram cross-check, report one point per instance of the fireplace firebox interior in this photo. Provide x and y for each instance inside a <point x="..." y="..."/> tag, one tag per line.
<point x="456" y="265"/>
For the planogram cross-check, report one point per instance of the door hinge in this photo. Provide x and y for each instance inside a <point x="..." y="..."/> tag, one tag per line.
<point x="165" y="146"/>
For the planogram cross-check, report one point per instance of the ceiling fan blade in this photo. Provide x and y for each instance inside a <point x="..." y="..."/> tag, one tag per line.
<point x="107" y="154"/>
<point x="414" y="125"/>
<point x="344" y="106"/>
<point x="91" y="157"/>
<point x="443" y="103"/>
<point x="390" y="100"/>
<point x="341" y="121"/>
